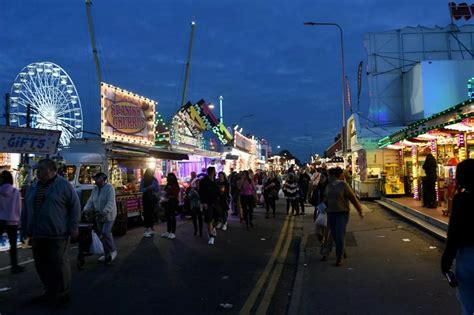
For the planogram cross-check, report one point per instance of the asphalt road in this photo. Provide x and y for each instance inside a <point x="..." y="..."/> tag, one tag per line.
<point x="393" y="268"/>
<point x="159" y="276"/>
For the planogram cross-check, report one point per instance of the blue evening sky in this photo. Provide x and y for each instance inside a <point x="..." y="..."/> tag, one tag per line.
<point x="256" y="53"/>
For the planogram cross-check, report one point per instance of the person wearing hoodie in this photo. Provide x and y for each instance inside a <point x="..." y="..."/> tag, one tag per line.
<point x="10" y="216"/>
<point x="102" y="202"/>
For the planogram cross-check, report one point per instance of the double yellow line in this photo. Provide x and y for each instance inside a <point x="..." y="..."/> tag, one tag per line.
<point x="271" y="272"/>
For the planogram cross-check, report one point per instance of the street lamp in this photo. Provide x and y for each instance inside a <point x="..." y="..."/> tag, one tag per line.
<point x="343" y="74"/>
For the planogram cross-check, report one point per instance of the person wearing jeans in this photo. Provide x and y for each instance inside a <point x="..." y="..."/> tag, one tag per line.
<point x="102" y="203"/>
<point x="171" y="205"/>
<point x="10" y="216"/>
<point x="460" y="240"/>
<point x="150" y="188"/>
<point x="338" y="195"/>
<point x="247" y="198"/>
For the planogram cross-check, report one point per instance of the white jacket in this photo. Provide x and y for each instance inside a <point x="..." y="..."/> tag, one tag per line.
<point x="103" y="200"/>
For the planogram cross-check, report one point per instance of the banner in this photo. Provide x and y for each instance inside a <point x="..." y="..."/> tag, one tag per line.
<point x="126" y="117"/>
<point x="28" y="140"/>
<point x="348" y="94"/>
<point x="359" y="83"/>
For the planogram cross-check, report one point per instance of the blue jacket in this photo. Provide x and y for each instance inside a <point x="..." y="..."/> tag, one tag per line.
<point x="59" y="214"/>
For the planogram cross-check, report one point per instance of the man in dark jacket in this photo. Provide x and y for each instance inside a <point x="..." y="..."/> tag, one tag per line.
<point x="209" y="195"/>
<point x="50" y="217"/>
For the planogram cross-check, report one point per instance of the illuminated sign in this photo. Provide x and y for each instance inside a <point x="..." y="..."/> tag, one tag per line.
<point x="242" y="142"/>
<point x="126" y="117"/>
<point x="198" y="118"/>
<point x="28" y="140"/>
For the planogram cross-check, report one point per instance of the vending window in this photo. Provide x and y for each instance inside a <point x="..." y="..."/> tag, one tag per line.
<point x="86" y="172"/>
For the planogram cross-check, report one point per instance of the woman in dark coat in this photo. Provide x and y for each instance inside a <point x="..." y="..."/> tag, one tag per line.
<point x="150" y="188"/>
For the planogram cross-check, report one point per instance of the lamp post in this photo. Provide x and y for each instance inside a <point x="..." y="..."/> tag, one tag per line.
<point x="343" y="94"/>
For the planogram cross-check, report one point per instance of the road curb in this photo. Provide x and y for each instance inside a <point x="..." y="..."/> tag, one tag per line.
<point x="300" y="269"/>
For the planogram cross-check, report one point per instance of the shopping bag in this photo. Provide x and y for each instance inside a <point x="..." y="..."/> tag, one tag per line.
<point x="96" y="246"/>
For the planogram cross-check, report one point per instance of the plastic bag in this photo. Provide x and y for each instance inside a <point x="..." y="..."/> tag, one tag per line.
<point x="96" y="246"/>
<point x="281" y="194"/>
<point x="322" y="217"/>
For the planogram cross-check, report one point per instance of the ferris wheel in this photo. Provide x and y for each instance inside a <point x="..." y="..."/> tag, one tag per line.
<point x="44" y="94"/>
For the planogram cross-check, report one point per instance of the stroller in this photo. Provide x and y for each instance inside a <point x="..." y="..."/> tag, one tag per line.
<point x="88" y="225"/>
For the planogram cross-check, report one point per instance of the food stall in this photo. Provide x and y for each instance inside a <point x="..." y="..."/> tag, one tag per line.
<point x="124" y="151"/>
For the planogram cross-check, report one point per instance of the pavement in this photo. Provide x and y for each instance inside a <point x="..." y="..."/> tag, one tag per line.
<point x="392" y="268"/>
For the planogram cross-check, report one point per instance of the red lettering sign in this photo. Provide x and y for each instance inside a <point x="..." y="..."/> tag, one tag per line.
<point x="126" y="117"/>
<point x="462" y="10"/>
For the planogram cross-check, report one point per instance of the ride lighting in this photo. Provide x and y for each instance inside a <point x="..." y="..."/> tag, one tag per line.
<point x="236" y="127"/>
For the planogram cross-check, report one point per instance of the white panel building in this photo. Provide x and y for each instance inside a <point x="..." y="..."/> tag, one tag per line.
<point x="403" y="55"/>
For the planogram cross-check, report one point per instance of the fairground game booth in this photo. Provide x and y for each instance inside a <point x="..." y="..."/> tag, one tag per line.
<point x="445" y="138"/>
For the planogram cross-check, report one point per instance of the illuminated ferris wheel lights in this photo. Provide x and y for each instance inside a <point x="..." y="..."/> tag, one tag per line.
<point x="39" y="67"/>
<point x="23" y="78"/>
<point x="49" y="92"/>
<point x="48" y="68"/>
<point x="31" y="70"/>
<point x="17" y="87"/>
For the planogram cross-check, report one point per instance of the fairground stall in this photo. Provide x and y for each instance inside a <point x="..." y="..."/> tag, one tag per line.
<point x="18" y="144"/>
<point x="124" y="151"/>
<point x="195" y="130"/>
<point x="373" y="168"/>
<point x="433" y="145"/>
<point x="245" y="148"/>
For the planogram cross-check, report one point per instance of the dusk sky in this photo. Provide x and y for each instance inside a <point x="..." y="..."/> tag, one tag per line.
<point x="257" y="54"/>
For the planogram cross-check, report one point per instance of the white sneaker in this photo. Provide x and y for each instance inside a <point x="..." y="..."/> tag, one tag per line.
<point x="224" y="227"/>
<point x="211" y="241"/>
<point x="113" y="255"/>
<point x="219" y="225"/>
<point x="165" y="235"/>
<point x="171" y="236"/>
<point x="147" y="234"/>
<point x="101" y="258"/>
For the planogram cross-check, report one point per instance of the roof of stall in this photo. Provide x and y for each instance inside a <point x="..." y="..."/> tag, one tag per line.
<point x="450" y="116"/>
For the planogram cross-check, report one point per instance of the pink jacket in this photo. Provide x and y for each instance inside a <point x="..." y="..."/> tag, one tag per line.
<point x="10" y="204"/>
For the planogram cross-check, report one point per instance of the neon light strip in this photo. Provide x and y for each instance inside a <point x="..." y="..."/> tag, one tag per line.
<point x="416" y="193"/>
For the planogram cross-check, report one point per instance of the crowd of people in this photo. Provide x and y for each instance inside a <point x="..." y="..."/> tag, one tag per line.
<point x="51" y="213"/>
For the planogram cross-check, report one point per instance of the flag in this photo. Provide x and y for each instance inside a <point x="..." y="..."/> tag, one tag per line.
<point x="348" y="94"/>
<point x="359" y="83"/>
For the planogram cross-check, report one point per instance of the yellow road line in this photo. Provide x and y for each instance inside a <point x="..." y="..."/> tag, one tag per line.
<point x="276" y="274"/>
<point x="263" y="277"/>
